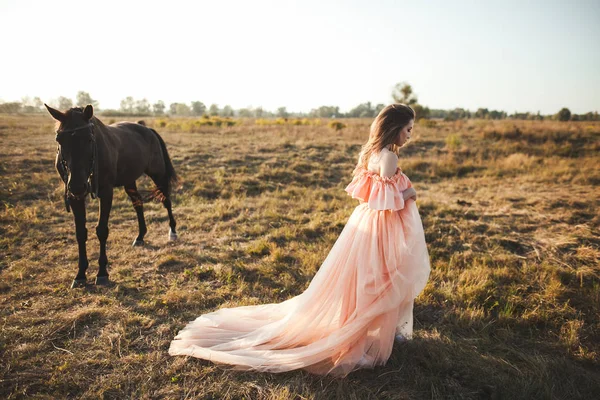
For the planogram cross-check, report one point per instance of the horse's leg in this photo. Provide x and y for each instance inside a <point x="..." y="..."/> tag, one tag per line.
<point x="172" y="224"/>
<point x="162" y="184"/>
<point x="106" y="198"/>
<point x="78" y="207"/>
<point x="138" y="204"/>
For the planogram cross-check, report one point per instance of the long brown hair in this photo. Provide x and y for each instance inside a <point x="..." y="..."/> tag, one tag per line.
<point x="385" y="129"/>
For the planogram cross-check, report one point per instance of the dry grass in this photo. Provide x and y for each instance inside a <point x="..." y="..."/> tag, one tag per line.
<point x="511" y="217"/>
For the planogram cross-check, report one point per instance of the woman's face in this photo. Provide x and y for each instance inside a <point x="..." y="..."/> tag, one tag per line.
<point x="405" y="134"/>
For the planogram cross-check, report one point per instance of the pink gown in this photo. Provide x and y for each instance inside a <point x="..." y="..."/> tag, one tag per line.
<point x="360" y="298"/>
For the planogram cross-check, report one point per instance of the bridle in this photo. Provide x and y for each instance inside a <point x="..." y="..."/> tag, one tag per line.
<point x="92" y="178"/>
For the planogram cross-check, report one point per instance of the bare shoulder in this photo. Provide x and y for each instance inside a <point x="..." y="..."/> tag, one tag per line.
<point x="388" y="163"/>
<point x="387" y="155"/>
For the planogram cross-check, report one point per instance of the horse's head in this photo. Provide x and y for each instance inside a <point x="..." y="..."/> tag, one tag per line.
<point x="77" y="148"/>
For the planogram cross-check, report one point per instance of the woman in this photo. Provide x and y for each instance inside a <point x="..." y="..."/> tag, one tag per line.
<point x="361" y="297"/>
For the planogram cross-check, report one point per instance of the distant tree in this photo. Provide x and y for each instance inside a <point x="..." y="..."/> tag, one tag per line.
<point x="11" y="107"/>
<point x="363" y="110"/>
<point x="245" y="112"/>
<point x="142" y="106"/>
<point x="158" y="108"/>
<point x="173" y="108"/>
<point x="494" y="114"/>
<point x="331" y="112"/>
<point x="564" y="114"/>
<point x="198" y="108"/>
<point x="519" y="115"/>
<point x="457" y="113"/>
<point x="422" y="112"/>
<point x="403" y="93"/>
<point x="64" y="103"/>
<point x="590" y="116"/>
<point x="326" y="112"/>
<point x="227" y="111"/>
<point x="482" y="113"/>
<point x="213" y="109"/>
<point x="258" y="112"/>
<point x="182" y="109"/>
<point x="83" y="99"/>
<point x="127" y="105"/>
<point x="27" y="105"/>
<point x="38" y="104"/>
<point x="436" y="113"/>
<point x="378" y="109"/>
<point x="282" y="112"/>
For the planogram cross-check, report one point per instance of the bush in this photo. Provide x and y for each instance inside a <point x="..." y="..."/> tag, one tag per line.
<point x="336" y="125"/>
<point x="453" y="142"/>
<point x="564" y="115"/>
<point x="428" y="123"/>
<point x="287" y="121"/>
<point x="194" y="125"/>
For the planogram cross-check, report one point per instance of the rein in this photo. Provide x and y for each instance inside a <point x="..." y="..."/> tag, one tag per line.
<point x="93" y="175"/>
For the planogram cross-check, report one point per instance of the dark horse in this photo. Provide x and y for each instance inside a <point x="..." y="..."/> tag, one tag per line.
<point x="94" y="158"/>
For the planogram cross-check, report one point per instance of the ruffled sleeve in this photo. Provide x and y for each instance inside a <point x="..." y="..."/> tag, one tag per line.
<point x="379" y="192"/>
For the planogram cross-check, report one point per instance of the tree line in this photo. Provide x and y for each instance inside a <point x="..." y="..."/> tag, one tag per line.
<point x="402" y="93"/>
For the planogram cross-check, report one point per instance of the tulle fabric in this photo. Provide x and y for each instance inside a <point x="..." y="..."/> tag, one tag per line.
<point x="361" y="296"/>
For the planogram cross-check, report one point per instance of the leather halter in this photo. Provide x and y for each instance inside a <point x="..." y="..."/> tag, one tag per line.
<point x="93" y="175"/>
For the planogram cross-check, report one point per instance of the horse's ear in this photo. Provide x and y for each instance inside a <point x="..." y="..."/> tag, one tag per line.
<point x="88" y="112"/>
<point x="57" y="115"/>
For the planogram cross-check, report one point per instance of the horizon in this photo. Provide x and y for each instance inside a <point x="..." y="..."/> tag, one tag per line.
<point x="101" y="110"/>
<point x="540" y="58"/>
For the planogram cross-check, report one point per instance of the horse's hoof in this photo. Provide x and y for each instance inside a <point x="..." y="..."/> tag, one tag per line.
<point x="78" y="283"/>
<point x="172" y="235"/>
<point x="138" y="242"/>
<point x="102" y="280"/>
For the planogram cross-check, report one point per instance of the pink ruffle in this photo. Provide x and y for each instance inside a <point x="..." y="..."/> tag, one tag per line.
<point x="379" y="192"/>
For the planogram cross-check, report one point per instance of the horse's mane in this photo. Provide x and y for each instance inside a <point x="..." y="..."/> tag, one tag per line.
<point x="79" y="110"/>
<point x="98" y="123"/>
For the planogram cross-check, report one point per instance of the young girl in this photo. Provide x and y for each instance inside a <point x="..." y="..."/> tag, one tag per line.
<point x="360" y="298"/>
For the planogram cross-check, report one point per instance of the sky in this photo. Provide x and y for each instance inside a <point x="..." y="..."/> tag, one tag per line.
<point x="524" y="56"/>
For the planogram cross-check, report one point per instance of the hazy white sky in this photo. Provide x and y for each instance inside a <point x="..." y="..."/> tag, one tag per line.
<point x="509" y="55"/>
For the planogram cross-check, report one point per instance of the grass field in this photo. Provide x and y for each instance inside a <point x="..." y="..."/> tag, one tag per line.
<point x="510" y="211"/>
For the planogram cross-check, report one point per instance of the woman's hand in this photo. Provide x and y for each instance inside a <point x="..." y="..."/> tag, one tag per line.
<point x="410" y="193"/>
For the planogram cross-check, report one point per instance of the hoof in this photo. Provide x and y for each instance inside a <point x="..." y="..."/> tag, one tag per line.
<point x="78" y="283"/>
<point x="137" y="242"/>
<point x="172" y="235"/>
<point x="102" y="280"/>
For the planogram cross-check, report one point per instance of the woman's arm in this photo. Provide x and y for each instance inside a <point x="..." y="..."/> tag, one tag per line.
<point x="388" y="164"/>
<point x="410" y="193"/>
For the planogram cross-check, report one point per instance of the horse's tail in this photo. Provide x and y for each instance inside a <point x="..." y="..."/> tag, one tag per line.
<point x="171" y="177"/>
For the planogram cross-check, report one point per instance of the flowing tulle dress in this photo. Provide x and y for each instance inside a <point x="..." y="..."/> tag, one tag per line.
<point x="360" y="298"/>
